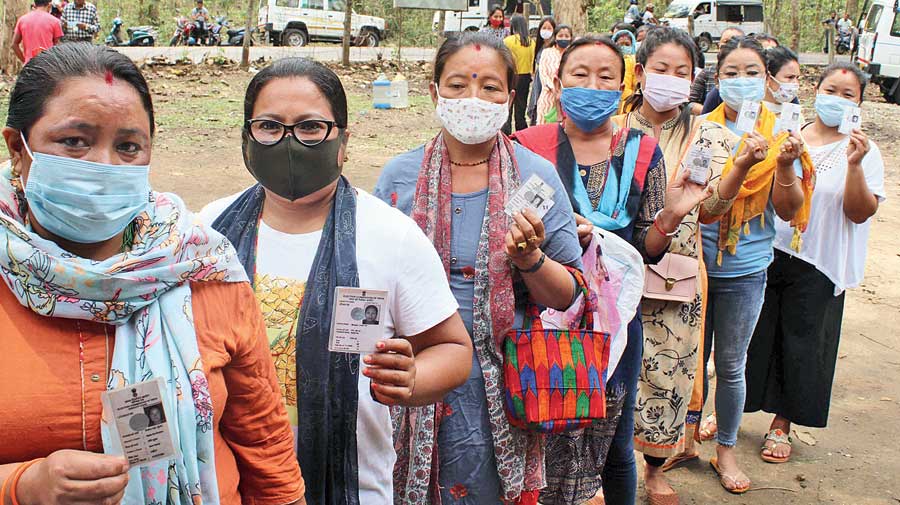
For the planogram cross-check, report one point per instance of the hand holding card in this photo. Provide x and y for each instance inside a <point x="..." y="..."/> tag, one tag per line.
<point x="357" y="323"/>
<point x="392" y="370"/>
<point x="535" y="194"/>
<point x="747" y="116"/>
<point x="852" y="120"/>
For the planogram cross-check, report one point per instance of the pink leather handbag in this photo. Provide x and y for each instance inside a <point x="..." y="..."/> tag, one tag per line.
<point x="673" y="279"/>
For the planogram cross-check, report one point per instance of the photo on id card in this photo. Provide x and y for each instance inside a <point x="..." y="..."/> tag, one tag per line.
<point x="140" y="421"/>
<point x="749" y="113"/>
<point x="851" y="120"/>
<point x="357" y="323"/>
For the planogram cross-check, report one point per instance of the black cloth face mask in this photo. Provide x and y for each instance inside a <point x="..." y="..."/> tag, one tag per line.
<point x="290" y="169"/>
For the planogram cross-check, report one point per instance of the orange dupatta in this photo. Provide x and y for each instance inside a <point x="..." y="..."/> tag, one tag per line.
<point x="754" y="194"/>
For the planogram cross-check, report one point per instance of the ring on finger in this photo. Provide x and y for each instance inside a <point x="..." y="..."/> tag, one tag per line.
<point x="521" y="246"/>
<point x="534" y="239"/>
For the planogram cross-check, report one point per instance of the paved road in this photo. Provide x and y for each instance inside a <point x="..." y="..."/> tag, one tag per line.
<point x="333" y="53"/>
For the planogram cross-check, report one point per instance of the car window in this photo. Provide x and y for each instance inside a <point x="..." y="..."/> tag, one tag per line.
<point x="337" y="5"/>
<point x="753" y="13"/>
<point x="314" y="4"/>
<point x="293" y="4"/>
<point x="895" y="28"/>
<point x="474" y="3"/>
<point x="874" y="18"/>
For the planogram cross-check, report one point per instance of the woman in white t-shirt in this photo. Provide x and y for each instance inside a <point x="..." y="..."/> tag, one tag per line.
<point x="304" y="234"/>
<point x="793" y="352"/>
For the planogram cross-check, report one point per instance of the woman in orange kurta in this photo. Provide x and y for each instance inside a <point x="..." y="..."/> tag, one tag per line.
<point x="107" y="284"/>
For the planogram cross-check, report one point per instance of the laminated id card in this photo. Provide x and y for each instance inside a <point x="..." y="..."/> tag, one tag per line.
<point x="852" y="120"/>
<point x="357" y="323"/>
<point x="139" y="418"/>
<point x="697" y="164"/>
<point x="535" y="194"/>
<point x="790" y="118"/>
<point x="749" y="113"/>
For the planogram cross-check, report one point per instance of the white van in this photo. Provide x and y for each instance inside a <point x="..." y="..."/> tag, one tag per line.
<point x="475" y="17"/>
<point x="879" y="46"/>
<point x="705" y="20"/>
<point x="297" y="22"/>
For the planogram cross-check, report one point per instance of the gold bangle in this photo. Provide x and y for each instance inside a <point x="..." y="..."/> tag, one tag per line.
<point x="786" y="185"/>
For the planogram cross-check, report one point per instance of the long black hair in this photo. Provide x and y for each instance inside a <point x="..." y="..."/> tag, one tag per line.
<point x="45" y="73"/>
<point x="321" y="76"/>
<point x="453" y="45"/>
<point x="518" y="26"/>
<point x="846" y="67"/>
<point x="560" y="28"/>
<point x="591" y="40"/>
<point x="740" y="43"/>
<point x="494" y="9"/>
<point x="778" y="57"/>
<point x="552" y="40"/>
<point x="655" y="39"/>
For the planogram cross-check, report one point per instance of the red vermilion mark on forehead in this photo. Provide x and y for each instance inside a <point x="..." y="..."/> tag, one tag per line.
<point x="478" y="47"/>
<point x="108" y="77"/>
<point x="843" y="70"/>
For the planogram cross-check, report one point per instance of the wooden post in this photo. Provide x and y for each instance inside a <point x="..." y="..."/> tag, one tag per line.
<point x="399" y="35"/>
<point x="348" y="24"/>
<point x="829" y="35"/>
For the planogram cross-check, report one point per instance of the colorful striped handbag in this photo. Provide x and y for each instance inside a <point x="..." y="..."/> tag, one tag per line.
<point x="554" y="378"/>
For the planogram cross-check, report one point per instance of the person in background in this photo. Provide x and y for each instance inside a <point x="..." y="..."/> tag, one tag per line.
<point x="783" y="82"/>
<point x="793" y="352"/>
<point x="641" y="33"/>
<point x="590" y="150"/>
<point x="648" y="17"/>
<point x="80" y="21"/>
<point x="705" y="81"/>
<point x="546" y="30"/>
<point x="633" y="14"/>
<point x="624" y="40"/>
<point x="301" y="232"/>
<point x="200" y="17"/>
<point x="627" y="43"/>
<point x="547" y="107"/>
<point x="738" y="249"/>
<point x="766" y="41"/>
<point x="36" y="31"/>
<point x="845" y="24"/>
<point x="456" y="188"/>
<point x="56" y="8"/>
<point x="106" y="284"/>
<point x="522" y="48"/>
<point x="672" y="342"/>
<point x="829" y="25"/>
<point x="495" y="24"/>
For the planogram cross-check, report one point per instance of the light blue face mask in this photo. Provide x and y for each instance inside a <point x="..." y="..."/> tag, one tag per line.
<point x="589" y="108"/>
<point x="830" y="108"/>
<point x="82" y="201"/>
<point x="737" y="89"/>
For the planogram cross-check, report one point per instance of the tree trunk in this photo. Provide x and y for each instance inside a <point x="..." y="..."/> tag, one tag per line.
<point x="12" y="10"/>
<point x="795" y="26"/>
<point x="572" y="13"/>
<point x="348" y="25"/>
<point x="248" y="34"/>
<point x="154" y="12"/>
<point x="852" y="8"/>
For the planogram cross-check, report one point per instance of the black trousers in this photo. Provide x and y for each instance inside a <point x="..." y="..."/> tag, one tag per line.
<point x="520" y="104"/>
<point x="792" y="356"/>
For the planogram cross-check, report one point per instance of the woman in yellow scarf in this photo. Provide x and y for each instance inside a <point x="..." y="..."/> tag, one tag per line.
<point x="738" y="249"/>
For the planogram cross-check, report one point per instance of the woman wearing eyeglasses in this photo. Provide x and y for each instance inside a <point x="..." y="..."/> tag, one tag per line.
<point x="301" y="233"/>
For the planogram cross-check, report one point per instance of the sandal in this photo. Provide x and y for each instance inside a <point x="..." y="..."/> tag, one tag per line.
<point x="677" y="460"/>
<point x="706" y="433"/>
<point x="662" y="499"/>
<point x="724" y="479"/>
<point x="778" y="437"/>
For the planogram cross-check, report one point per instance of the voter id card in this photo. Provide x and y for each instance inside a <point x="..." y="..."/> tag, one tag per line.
<point x="852" y="120"/>
<point x="790" y="117"/>
<point x="696" y="162"/>
<point x="138" y="416"/>
<point x="749" y="113"/>
<point x="535" y="194"/>
<point x="357" y="323"/>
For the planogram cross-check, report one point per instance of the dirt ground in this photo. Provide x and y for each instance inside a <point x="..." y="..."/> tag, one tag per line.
<point x="854" y="461"/>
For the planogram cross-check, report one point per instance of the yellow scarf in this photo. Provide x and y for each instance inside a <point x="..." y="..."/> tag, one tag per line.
<point x="754" y="194"/>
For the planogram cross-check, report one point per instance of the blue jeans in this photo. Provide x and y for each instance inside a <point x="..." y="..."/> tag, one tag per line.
<point x="620" y="472"/>
<point x="732" y="309"/>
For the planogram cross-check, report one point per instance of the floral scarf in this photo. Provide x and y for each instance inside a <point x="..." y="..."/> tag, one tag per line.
<point x="519" y="454"/>
<point x="753" y="197"/>
<point x="146" y="294"/>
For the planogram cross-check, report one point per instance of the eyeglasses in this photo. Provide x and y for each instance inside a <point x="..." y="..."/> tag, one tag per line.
<point x="310" y="132"/>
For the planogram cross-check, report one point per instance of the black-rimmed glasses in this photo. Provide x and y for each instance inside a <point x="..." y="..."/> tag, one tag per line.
<point x="310" y="132"/>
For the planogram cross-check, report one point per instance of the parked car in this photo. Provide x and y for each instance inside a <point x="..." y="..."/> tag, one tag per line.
<point x="476" y="16"/>
<point x="705" y="20"/>
<point x="297" y="22"/>
<point x="878" y="53"/>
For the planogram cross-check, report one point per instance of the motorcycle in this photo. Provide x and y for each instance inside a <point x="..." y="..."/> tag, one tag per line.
<point x="844" y="42"/>
<point x="217" y="32"/>
<point x="236" y="37"/>
<point x="184" y="28"/>
<point x="137" y="35"/>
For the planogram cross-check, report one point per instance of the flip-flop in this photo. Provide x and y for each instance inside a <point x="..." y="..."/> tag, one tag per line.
<point x="714" y="463"/>
<point x="707" y="435"/>
<point x="662" y="499"/>
<point x="677" y="460"/>
<point x="779" y="437"/>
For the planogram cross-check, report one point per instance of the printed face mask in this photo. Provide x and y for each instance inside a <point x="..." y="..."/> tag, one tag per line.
<point x="665" y="92"/>
<point x="830" y="108"/>
<point x="737" y="89"/>
<point x="472" y="120"/>
<point x="786" y="92"/>
<point x="82" y="201"/>
<point x="290" y="169"/>
<point x="589" y="108"/>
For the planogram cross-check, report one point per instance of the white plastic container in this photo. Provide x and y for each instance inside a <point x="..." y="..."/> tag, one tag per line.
<point x="381" y="92"/>
<point x="399" y="92"/>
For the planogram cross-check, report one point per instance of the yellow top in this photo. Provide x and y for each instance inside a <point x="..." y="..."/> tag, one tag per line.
<point x="523" y="56"/>
<point x="629" y="81"/>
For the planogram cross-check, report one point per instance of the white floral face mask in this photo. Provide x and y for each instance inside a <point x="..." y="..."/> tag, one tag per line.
<point x="472" y="120"/>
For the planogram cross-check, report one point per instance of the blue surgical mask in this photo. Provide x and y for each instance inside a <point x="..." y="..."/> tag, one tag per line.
<point x="82" y="201"/>
<point x="830" y="108"/>
<point x="589" y="108"/>
<point x="737" y="89"/>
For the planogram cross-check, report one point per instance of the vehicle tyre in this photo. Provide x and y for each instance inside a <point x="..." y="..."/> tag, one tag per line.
<point x="704" y="43"/>
<point x="885" y="86"/>
<point x="294" y="38"/>
<point x="895" y="98"/>
<point x="175" y="40"/>
<point x="370" y="39"/>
